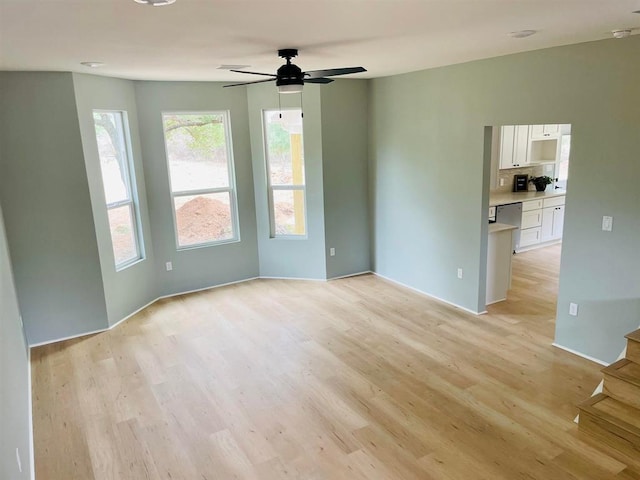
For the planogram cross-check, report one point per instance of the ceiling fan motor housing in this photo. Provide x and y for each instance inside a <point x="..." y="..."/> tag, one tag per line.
<point x="289" y="74"/>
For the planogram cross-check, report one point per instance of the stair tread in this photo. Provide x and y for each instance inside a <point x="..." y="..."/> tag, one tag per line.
<point x="635" y="335"/>
<point x="624" y="369"/>
<point x="613" y="411"/>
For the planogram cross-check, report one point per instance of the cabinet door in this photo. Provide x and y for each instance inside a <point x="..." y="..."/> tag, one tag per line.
<point x="529" y="236"/>
<point x="551" y="130"/>
<point x="546" y="229"/>
<point x="530" y="219"/>
<point x="537" y="131"/>
<point x="552" y="223"/>
<point x="521" y="147"/>
<point x="558" y="222"/>
<point x="507" y="133"/>
<point x="540" y="132"/>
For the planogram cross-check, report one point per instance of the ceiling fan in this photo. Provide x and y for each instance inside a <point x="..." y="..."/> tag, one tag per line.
<point x="290" y="78"/>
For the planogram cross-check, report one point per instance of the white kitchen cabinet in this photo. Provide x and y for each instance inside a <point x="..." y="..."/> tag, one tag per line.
<point x="499" y="253"/>
<point x="514" y="146"/>
<point x="544" y="144"/>
<point x="552" y="219"/>
<point x="531" y="219"/>
<point x="532" y="205"/>
<point x="531" y="223"/>
<point x="529" y="236"/>
<point x="541" y="132"/>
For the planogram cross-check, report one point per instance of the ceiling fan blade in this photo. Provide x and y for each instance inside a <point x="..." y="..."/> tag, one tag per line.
<point x="249" y="83"/>
<point x="254" y="73"/>
<point x="318" y="80"/>
<point x="333" y="72"/>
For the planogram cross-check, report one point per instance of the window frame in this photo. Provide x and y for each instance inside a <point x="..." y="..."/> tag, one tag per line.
<point x="131" y="186"/>
<point x="231" y="189"/>
<point x="272" y="188"/>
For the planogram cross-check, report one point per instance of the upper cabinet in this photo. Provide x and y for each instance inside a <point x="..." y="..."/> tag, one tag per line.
<point x="527" y="145"/>
<point x="514" y="146"/>
<point x="541" y="132"/>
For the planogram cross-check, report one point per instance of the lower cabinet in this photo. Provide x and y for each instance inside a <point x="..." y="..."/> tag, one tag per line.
<point x="529" y="236"/>
<point x="542" y="221"/>
<point x="552" y="223"/>
<point x="531" y="223"/>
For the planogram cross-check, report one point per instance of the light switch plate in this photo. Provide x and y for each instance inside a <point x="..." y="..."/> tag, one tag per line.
<point x="573" y="309"/>
<point x="607" y="223"/>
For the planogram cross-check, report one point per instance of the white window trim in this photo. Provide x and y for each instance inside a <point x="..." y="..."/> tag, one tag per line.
<point x="231" y="189"/>
<point x="132" y="190"/>
<point x="271" y="187"/>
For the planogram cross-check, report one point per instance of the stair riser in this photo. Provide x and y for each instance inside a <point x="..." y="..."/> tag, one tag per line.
<point x="633" y="351"/>
<point x="611" y="434"/>
<point x="622" y="391"/>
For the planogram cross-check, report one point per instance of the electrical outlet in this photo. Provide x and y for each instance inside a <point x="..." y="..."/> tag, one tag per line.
<point x="169" y="266"/>
<point x="459" y="273"/>
<point x="573" y="309"/>
<point x="18" y="460"/>
<point x="332" y="252"/>
<point x="607" y="223"/>
<point x="502" y="182"/>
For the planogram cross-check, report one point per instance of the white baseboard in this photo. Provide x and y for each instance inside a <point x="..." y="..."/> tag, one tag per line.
<point x="70" y="337"/>
<point x="203" y="289"/>
<point x="139" y="310"/>
<point x="429" y="295"/>
<point x="40" y="344"/>
<point x="350" y="275"/>
<point x="579" y="354"/>
<point x="293" y="278"/>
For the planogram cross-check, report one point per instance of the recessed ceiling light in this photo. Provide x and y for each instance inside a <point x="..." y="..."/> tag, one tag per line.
<point x="621" y="33"/>
<point x="232" y="67"/>
<point x="522" y="33"/>
<point x="156" y="3"/>
<point x="92" y="64"/>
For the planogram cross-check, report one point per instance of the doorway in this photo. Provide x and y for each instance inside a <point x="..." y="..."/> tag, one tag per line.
<point x="527" y="183"/>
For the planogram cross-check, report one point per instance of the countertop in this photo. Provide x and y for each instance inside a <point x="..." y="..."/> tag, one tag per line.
<point x="500" y="227"/>
<point x="503" y="198"/>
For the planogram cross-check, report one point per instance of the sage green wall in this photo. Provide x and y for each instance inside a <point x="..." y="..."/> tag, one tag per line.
<point x="208" y="266"/>
<point x="293" y="258"/>
<point x="47" y="207"/>
<point x="344" y="167"/>
<point x="428" y="178"/>
<point x="15" y="430"/>
<point x="133" y="287"/>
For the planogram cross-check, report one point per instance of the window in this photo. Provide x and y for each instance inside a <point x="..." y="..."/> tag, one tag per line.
<point x="201" y="177"/>
<point x="285" y="172"/>
<point x="119" y="185"/>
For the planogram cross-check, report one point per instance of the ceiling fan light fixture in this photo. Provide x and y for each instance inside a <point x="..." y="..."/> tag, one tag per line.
<point x="290" y="88"/>
<point x="155" y="3"/>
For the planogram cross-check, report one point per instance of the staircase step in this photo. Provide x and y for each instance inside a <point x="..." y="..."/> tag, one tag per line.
<point x="614" y="423"/>
<point x="633" y="346"/>
<point x="622" y="382"/>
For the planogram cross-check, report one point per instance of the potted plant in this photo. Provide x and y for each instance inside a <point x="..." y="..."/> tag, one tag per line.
<point x="541" y="182"/>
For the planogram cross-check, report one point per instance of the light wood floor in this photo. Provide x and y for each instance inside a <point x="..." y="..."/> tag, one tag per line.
<point x="350" y="379"/>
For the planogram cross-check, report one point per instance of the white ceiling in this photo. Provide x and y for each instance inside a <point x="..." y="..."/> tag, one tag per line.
<point x="191" y="38"/>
